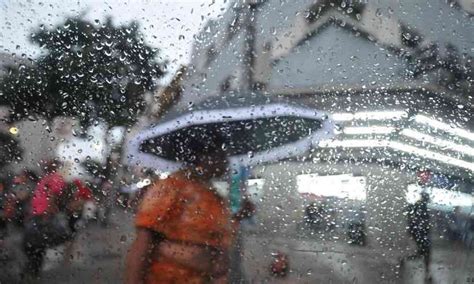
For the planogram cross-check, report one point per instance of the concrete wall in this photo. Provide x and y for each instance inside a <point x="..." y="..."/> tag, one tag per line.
<point x="200" y="85"/>
<point x="336" y="56"/>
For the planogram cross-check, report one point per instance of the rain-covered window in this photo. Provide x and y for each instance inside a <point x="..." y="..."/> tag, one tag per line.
<point x="237" y="141"/>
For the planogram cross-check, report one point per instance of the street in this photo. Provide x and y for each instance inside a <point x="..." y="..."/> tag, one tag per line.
<point x="99" y="254"/>
<point x="337" y="262"/>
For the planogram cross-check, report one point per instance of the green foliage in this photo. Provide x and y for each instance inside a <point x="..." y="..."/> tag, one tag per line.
<point x="86" y="70"/>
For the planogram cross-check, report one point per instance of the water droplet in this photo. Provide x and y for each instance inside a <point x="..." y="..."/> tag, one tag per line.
<point x="123" y="238"/>
<point x="378" y="12"/>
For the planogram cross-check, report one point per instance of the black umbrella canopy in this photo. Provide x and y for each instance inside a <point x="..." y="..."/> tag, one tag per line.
<point x="252" y="128"/>
<point x="239" y="137"/>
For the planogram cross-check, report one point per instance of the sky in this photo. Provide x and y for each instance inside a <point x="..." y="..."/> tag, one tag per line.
<point x="166" y="24"/>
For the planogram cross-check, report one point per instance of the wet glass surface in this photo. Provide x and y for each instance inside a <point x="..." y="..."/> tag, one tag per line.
<point x="237" y="141"/>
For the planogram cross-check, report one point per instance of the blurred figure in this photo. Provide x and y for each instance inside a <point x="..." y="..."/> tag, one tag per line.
<point x="80" y="194"/>
<point x="184" y="228"/>
<point x="18" y="202"/>
<point x="3" y="218"/>
<point x="246" y="214"/>
<point x="74" y="200"/>
<point x="43" y="229"/>
<point x="106" y="193"/>
<point x="419" y="228"/>
<point x="103" y="190"/>
<point x="314" y="214"/>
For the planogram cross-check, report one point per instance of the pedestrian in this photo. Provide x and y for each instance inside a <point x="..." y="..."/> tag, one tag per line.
<point x="184" y="228"/>
<point x="74" y="198"/>
<point x="43" y="227"/>
<point x="20" y="196"/>
<point x="419" y="227"/>
<point x="106" y="193"/>
<point x="246" y="214"/>
<point x="3" y="217"/>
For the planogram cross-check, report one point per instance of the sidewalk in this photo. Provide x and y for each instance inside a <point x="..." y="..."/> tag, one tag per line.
<point x="99" y="257"/>
<point x="98" y="254"/>
<point x="315" y="261"/>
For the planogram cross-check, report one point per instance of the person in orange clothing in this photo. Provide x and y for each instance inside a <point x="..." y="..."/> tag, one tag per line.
<point x="184" y="229"/>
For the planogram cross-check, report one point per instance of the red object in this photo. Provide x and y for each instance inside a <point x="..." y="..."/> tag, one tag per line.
<point x="19" y="180"/>
<point x="424" y="176"/>
<point x="49" y="186"/>
<point x="83" y="192"/>
<point x="280" y="264"/>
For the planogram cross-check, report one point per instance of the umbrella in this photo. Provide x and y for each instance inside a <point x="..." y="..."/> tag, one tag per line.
<point x="263" y="131"/>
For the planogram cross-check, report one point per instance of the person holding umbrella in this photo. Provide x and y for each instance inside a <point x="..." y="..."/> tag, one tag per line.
<point x="184" y="229"/>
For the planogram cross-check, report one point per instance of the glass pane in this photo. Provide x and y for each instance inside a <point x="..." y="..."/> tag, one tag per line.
<point x="236" y="141"/>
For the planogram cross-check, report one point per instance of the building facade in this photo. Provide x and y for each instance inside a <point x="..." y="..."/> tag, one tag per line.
<point x="397" y="76"/>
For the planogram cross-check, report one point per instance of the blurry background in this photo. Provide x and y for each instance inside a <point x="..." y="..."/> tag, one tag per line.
<point x="396" y="76"/>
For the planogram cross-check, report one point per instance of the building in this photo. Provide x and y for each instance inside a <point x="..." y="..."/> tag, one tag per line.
<point x="396" y="75"/>
<point x="349" y="59"/>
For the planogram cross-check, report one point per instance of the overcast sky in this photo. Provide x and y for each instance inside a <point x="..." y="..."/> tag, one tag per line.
<point x="164" y="22"/>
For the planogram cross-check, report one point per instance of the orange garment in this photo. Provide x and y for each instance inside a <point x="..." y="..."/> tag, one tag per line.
<point x="183" y="210"/>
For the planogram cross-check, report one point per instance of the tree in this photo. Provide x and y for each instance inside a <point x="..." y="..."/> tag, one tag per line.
<point x="454" y="70"/>
<point x="87" y="70"/>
